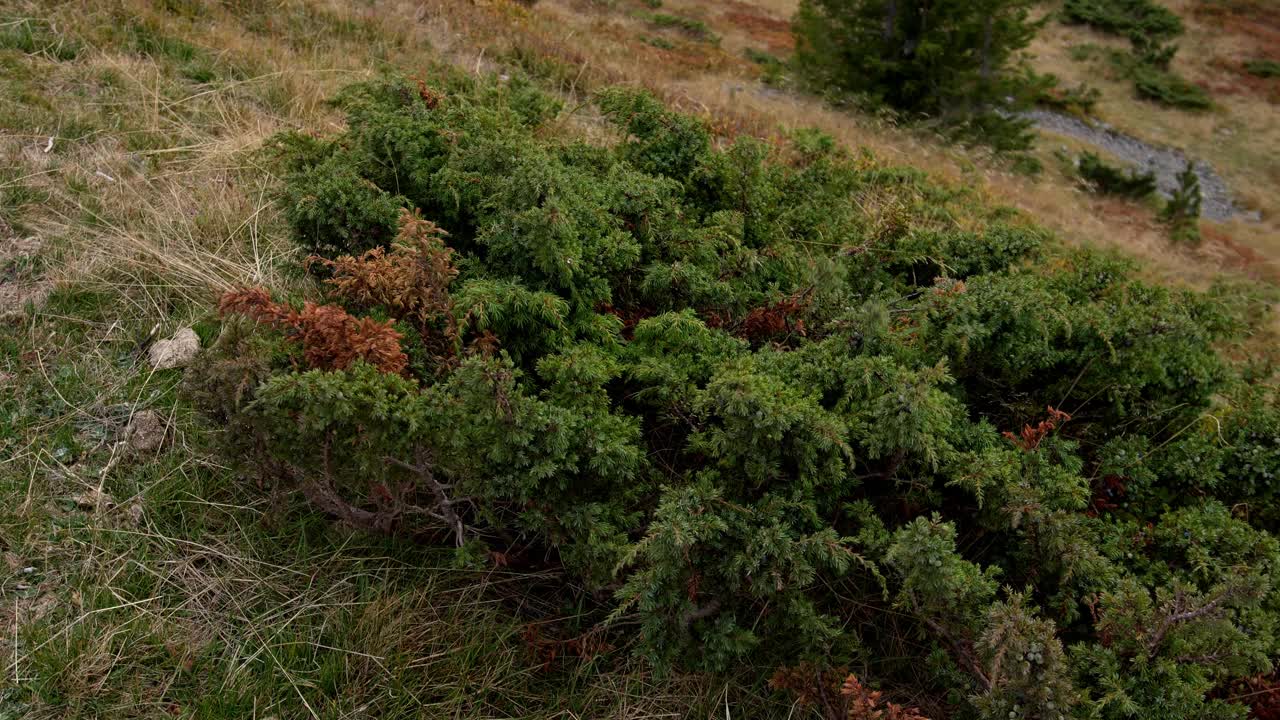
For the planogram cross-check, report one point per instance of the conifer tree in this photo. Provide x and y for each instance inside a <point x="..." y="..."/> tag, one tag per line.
<point x="927" y="56"/>
<point x="1182" y="212"/>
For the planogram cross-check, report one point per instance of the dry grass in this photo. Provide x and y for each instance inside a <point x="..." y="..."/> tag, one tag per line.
<point x="778" y="8"/>
<point x="608" y="47"/>
<point x="163" y="189"/>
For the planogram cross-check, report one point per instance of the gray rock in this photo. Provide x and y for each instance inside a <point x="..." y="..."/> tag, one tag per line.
<point x="146" y="431"/>
<point x="1165" y="162"/>
<point x="178" y="351"/>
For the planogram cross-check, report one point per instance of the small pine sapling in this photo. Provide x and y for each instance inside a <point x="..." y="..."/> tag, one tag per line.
<point x="1182" y="212"/>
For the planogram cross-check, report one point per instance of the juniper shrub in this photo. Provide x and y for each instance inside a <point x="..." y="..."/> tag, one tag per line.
<point x="769" y="406"/>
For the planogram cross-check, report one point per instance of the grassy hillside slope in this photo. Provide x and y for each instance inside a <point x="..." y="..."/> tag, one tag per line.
<point x="710" y="73"/>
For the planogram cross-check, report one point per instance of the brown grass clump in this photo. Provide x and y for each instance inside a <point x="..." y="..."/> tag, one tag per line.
<point x="331" y="339"/>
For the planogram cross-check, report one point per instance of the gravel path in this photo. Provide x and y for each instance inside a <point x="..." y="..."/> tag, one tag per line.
<point x="1165" y="162"/>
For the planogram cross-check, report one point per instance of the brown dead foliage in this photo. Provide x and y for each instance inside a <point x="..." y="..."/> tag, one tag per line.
<point x="1032" y="435"/>
<point x="820" y="689"/>
<point x="331" y="338"/>
<point x="780" y="319"/>
<point x="590" y="644"/>
<point x="864" y="704"/>
<point x="1261" y="693"/>
<point x="411" y="281"/>
<point x="775" y="322"/>
<point x="630" y="316"/>
<point x="430" y="98"/>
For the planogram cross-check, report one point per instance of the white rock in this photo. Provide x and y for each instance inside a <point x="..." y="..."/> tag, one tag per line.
<point x="175" y="352"/>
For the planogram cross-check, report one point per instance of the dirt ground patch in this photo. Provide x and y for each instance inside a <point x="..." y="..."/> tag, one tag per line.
<point x="775" y="33"/>
<point x="1254" y="19"/>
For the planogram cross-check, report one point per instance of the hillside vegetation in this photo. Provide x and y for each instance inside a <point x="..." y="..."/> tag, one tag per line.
<point x="609" y="42"/>
<point x="525" y="392"/>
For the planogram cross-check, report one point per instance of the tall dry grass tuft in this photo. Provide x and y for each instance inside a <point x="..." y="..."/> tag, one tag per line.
<point x="151" y="182"/>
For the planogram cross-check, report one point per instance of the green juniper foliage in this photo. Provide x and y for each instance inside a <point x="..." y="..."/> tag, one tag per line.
<point x="1110" y="180"/>
<point x="1263" y="68"/>
<point x="1151" y="29"/>
<point x="688" y="26"/>
<point x="1149" y="26"/>
<point x="1143" y="21"/>
<point x="772" y="404"/>
<point x="1165" y="87"/>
